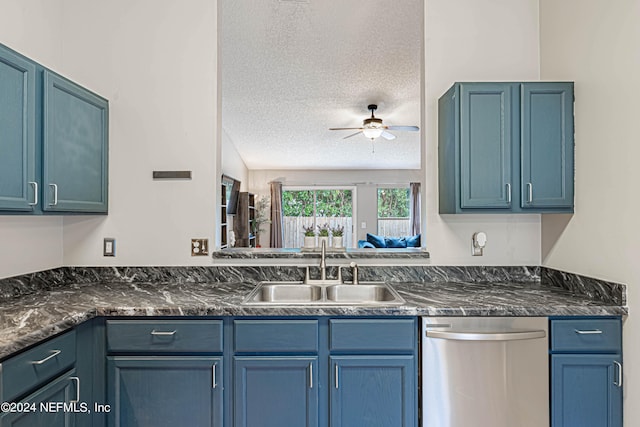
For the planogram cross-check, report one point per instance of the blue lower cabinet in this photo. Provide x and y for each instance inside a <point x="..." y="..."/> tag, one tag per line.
<point x="162" y="391"/>
<point x="275" y="391"/>
<point x="373" y="391"/>
<point x="64" y="389"/>
<point x="586" y="390"/>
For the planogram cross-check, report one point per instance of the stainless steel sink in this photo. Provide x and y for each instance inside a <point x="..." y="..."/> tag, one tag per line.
<point x="361" y="293"/>
<point x="298" y="293"/>
<point x="288" y="293"/>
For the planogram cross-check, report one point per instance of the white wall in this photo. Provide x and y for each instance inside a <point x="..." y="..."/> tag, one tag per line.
<point x="156" y="63"/>
<point x="595" y="44"/>
<point x="31" y="27"/>
<point x="232" y="163"/>
<point x="157" y="66"/>
<point x="470" y="40"/>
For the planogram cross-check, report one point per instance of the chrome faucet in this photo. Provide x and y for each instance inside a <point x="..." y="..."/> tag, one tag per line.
<point x="323" y="271"/>
<point x="323" y="261"/>
<point x="354" y="268"/>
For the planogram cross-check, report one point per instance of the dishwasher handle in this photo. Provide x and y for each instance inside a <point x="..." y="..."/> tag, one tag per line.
<point x="487" y="336"/>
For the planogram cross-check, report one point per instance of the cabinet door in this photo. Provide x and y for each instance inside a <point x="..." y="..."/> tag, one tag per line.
<point x="64" y="390"/>
<point x="165" y="391"/>
<point x="373" y="391"/>
<point x="485" y="145"/>
<point x="275" y="391"/>
<point x="547" y="145"/>
<point x="18" y="188"/>
<point x="586" y="390"/>
<point x="75" y="148"/>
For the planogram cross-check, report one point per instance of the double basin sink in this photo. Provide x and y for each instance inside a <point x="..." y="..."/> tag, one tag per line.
<point x="299" y="293"/>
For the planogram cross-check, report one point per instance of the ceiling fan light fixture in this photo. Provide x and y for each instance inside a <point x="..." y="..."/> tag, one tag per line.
<point x="372" y="133"/>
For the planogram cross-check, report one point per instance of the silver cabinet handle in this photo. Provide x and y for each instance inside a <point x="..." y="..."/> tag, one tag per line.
<point x="588" y="332"/>
<point x="529" y="192"/>
<point x="55" y="194"/>
<point x="213" y="376"/>
<point x="509" y="193"/>
<point x="35" y="193"/>
<point x="618" y="382"/>
<point x="53" y="354"/>
<point x="77" y="380"/>
<point x="310" y="375"/>
<point x="336" y="376"/>
<point x="487" y="336"/>
<point x="163" y="333"/>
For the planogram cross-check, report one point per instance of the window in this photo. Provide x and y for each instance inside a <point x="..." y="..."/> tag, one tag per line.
<point x="316" y="207"/>
<point x="393" y="212"/>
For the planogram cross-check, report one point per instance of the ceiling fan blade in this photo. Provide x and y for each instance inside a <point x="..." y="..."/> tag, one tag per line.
<point x="353" y="134"/>
<point x="345" y="128"/>
<point x="388" y="136"/>
<point x="409" y="128"/>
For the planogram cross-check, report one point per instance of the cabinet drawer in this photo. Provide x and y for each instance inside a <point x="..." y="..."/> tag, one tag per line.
<point x="276" y="336"/>
<point x="164" y="336"/>
<point x="38" y="365"/>
<point x="603" y="335"/>
<point x="372" y="334"/>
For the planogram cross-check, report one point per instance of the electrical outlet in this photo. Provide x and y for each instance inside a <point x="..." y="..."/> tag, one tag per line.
<point x="109" y="246"/>
<point x="199" y="247"/>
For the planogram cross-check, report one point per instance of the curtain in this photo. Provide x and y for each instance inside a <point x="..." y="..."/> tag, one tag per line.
<point x="276" y="215"/>
<point x="414" y="207"/>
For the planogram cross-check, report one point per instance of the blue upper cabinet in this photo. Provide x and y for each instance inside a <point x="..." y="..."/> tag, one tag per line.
<point x="18" y="185"/>
<point x="53" y="140"/>
<point x="506" y="147"/>
<point x="547" y="145"/>
<point x="485" y="145"/>
<point x="74" y="148"/>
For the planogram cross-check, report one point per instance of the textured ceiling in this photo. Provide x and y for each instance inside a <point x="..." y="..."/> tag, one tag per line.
<point x="291" y="69"/>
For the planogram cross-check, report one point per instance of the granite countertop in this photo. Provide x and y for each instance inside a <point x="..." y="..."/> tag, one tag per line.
<point x="331" y="253"/>
<point x="28" y="319"/>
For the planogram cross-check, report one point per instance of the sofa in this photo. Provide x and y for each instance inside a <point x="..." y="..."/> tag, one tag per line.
<point x="374" y="241"/>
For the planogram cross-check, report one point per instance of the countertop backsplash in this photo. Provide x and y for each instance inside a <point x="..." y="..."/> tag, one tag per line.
<point x="600" y="290"/>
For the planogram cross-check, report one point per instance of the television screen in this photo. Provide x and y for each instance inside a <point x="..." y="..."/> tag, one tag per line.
<point x="233" y="190"/>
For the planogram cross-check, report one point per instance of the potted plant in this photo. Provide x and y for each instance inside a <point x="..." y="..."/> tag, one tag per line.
<point x="261" y="218"/>
<point x="323" y="235"/>
<point x="309" y="236"/>
<point x="337" y="233"/>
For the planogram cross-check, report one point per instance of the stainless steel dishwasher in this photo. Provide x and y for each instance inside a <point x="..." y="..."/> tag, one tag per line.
<point x="485" y="372"/>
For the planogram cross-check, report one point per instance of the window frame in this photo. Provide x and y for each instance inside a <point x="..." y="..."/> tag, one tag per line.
<point x="406" y="186"/>
<point x="317" y="187"/>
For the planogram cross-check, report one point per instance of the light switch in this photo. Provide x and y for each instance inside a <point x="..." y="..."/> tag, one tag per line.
<point x="363" y="225"/>
<point x="109" y="246"/>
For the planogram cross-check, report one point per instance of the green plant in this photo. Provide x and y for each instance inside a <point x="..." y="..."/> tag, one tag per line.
<point x="309" y="231"/>
<point x="323" y="230"/>
<point x="337" y="231"/>
<point x="262" y="215"/>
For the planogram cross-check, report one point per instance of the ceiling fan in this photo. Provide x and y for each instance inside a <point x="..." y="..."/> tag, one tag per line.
<point x="372" y="127"/>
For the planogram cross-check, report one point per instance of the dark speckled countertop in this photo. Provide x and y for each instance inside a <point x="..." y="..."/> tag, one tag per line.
<point x="29" y="318"/>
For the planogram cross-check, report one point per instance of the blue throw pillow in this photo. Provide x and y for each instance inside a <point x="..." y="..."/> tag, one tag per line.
<point x="365" y="244"/>
<point x="395" y="242"/>
<point x="376" y="241"/>
<point x="413" y="241"/>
